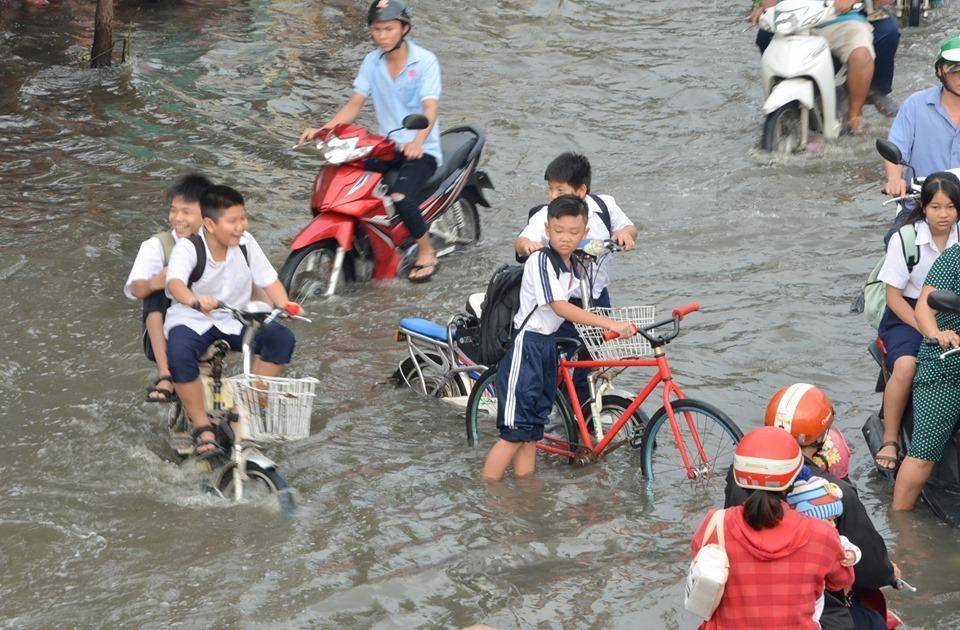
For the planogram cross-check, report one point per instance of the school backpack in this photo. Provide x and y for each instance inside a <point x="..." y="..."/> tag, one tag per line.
<point x="500" y="304"/>
<point x="875" y="290"/>
<point x="198" y="269"/>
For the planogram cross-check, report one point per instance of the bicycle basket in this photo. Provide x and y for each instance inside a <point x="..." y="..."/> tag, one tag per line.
<point x="274" y="409"/>
<point x="635" y="346"/>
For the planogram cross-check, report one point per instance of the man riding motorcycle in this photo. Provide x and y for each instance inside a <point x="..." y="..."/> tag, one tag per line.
<point x="402" y="79"/>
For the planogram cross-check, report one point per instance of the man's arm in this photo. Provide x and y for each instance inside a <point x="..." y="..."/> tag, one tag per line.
<point x="346" y="116"/>
<point x="181" y="293"/>
<point x="277" y="294"/>
<point x="577" y="315"/>
<point x="414" y="149"/>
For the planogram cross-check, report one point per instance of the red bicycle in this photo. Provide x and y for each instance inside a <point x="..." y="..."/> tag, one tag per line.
<point x="703" y="442"/>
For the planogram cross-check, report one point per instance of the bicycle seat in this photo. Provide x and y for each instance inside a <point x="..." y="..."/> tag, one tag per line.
<point x="457" y="145"/>
<point x="425" y="328"/>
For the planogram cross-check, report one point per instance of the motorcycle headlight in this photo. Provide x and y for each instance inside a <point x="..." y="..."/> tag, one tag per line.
<point x="340" y="150"/>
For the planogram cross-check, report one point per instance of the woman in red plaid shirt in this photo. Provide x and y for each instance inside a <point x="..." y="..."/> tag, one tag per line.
<point x="780" y="561"/>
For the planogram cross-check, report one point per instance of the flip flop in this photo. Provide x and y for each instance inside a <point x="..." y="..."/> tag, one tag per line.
<point x="166" y="395"/>
<point x="895" y="460"/>
<point x="426" y="278"/>
<point x="850" y="130"/>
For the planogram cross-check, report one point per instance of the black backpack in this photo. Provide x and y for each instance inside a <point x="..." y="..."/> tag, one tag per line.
<point x="500" y="305"/>
<point x="201" y="265"/>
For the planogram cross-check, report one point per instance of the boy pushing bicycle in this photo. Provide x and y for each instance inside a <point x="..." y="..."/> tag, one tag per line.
<point x="527" y="379"/>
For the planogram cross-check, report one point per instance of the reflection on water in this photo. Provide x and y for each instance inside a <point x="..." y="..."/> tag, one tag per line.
<point x="98" y="524"/>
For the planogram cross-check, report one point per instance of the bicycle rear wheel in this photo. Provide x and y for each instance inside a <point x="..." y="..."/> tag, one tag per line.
<point x="481" y="417"/>
<point x="661" y="461"/>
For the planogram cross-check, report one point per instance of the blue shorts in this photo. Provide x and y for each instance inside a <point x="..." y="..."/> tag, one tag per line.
<point x="526" y="386"/>
<point x="899" y="338"/>
<point x="273" y="343"/>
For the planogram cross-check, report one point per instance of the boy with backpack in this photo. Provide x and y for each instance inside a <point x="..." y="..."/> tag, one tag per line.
<point x="526" y="382"/>
<point x="222" y="263"/>
<point x="148" y="276"/>
<point x="570" y="174"/>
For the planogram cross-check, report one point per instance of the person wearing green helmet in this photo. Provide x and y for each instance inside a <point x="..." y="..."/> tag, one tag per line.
<point x="401" y="79"/>
<point x="927" y="128"/>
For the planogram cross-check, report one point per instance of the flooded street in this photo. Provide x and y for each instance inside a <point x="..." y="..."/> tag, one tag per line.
<point x="99" y="527"/>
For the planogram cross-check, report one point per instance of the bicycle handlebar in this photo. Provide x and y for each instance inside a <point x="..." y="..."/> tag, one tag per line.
<point x="683" y="311"/>
<point x="291" y="311"/>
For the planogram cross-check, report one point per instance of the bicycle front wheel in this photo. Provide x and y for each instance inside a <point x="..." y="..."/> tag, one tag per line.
<point x="481" y="417"/>
<point x="719" y="435"/>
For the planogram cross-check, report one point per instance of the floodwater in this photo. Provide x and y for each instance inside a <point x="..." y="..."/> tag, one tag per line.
<point x="98" y="527"/>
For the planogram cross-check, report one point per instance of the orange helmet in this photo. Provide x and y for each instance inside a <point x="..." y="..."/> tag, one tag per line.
<point x="801" y="409"/>
<point x="767" y="458"/>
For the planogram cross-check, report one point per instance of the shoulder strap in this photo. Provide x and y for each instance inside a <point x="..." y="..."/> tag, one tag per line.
<point x="604" y="212"/>
<point x="166" y="242"/>
<point x="715" y="524"/>
<point x="908" y="241"/>
<point x="198" y="269"/>
<point x="534" y="210"/>
<point x="246" y="256"/>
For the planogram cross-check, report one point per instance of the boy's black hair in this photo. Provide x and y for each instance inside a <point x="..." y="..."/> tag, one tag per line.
<point x="568" y="206"/>
<point x="190" y="188"/>
<point x="569" y="168"/>
<point x="216" y="199"/>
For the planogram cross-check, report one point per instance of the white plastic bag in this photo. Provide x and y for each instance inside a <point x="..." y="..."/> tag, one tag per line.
<point x="707" y="576"/>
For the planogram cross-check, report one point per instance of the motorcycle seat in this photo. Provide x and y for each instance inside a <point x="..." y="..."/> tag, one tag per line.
<point x="456" y="146"/>
<point x="425" y="328"/>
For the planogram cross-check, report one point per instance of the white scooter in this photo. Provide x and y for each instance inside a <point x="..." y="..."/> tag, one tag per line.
<point x="798" y="76"/>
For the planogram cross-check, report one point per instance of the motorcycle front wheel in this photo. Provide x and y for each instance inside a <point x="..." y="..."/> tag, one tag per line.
<point x="782" y="130"/>
<point x="914" y="11"/>
<point x="307" y="272"/>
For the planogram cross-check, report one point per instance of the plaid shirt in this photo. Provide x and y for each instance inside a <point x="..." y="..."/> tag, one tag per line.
<point x="779" y="592"/>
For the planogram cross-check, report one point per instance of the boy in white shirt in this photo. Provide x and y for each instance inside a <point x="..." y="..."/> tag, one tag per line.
<point x="570" y="174"/>
<point x="526" y="382"/>
<point x="234" y="265"/>
<point x="148" y="276"/>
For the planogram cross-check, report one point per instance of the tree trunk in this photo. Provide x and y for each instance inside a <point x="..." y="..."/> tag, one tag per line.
<point x="102" y="53"/>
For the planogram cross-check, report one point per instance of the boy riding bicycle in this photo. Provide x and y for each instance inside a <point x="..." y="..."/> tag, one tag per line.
<point x="223" y="263"/>
<point x="148" y="276"/>
<point x="402" y="79"/>
<point x="527" y="377"/>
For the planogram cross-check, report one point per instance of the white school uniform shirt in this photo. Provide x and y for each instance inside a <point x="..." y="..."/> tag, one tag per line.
<point x="536" y="231"/>
<point x="147" y="264"/>
<point x="540" y="285"/>
<point x="230" y="280"/>
<point x="894" y="270"/>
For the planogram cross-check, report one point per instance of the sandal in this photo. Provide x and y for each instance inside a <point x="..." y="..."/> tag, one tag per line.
<point x="426" y="278"/>
<point x="165" y="395"/>
<point x="894" y="460"/>
<point x="197" y="442"/>
<point x="855" y="127"/>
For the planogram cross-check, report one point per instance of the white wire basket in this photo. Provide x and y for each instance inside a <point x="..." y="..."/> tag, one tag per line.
<point x="635" y="346"/>
<point x="274" y="409"/>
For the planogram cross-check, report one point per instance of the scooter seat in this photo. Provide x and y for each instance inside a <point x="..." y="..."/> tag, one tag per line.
<point x="425" y="328"/>
<point x="456" y="146"/>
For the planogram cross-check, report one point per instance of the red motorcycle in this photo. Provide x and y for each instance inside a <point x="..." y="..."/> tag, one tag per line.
<point x="356" y="235"/>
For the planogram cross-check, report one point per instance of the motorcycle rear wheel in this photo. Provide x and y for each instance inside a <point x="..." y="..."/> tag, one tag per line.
<point x="782" y="130"/>
<point x="306" y="273"/>
<point x="458" y="227"/>
<point x="914" y="11"/>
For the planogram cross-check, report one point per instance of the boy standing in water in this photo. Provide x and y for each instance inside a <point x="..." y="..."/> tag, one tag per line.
<point x="526" y="382"/>
<point x="402" y="79"/>
<point x="570" y="174"/>
<point x="149" y="273"/>
<point x="223" y="263"/>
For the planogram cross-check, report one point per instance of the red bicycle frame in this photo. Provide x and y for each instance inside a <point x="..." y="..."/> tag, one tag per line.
<point x="663" y="376"/>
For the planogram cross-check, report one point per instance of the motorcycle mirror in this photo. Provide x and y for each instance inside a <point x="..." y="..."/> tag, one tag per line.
<point x="415" y="122"/>
<point x="944" y="301"/>
<point x="890" y="152"/>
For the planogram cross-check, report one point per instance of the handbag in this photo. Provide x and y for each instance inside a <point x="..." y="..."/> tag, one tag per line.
<point x="707" y="576"/>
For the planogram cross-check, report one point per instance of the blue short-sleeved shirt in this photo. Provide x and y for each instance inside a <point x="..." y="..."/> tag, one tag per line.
<point x="925" y="134"/>
<point x="394" y="100"/>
